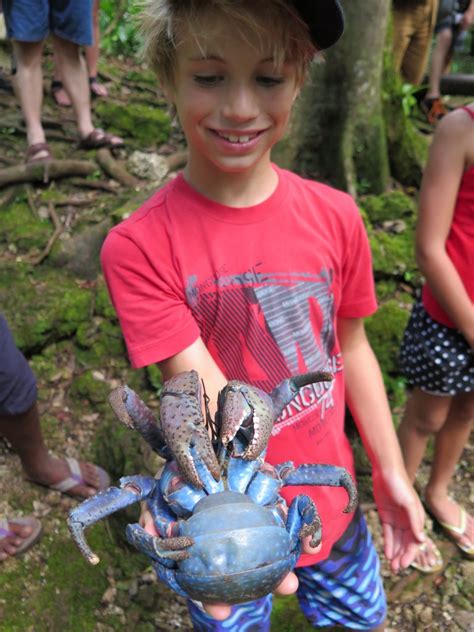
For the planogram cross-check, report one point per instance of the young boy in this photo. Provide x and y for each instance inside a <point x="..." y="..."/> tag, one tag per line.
<point x="242" y="270"/>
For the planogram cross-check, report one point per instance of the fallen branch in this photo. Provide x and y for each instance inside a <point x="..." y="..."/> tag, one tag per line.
<point x="45" y="171"/>
<point x="114" y="169"/>
<point x="51" y="241"/>
<point x="94" y="184"/>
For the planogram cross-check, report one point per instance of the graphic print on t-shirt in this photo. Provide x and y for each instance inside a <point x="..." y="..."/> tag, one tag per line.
<point x="265" y="327"/>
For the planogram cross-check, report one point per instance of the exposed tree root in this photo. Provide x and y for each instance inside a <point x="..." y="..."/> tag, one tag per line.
<point x="45" y="171"/>
<point x="114" y="169"/>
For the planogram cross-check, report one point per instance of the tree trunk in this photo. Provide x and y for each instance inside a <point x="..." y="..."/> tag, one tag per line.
<point x="340" y="131"/>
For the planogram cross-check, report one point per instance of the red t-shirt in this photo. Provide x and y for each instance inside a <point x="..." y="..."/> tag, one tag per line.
<point x="459" y="244"/>
<point x="262" y="286"/>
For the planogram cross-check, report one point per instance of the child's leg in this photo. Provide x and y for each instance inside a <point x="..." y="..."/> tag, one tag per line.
<point x="450" y="442"/>
<point x="254" y="615"/>
<point x="425" y="414"/>
<point x="346" y="589"/>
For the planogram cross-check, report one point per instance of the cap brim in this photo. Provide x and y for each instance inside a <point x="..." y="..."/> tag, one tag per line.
<point x="325" y="19"/>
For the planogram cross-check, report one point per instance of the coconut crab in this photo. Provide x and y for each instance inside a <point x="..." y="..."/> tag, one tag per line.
<point x="225" y="533"/>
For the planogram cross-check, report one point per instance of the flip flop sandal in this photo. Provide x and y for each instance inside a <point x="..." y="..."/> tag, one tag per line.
<point x="76" y="478"/>
<point x="436" y="566"/>
<point x="27" y="542"/>
<point x="32" y="154"/>
<point x="98" y="138"/>
<point x="453" y="532"/>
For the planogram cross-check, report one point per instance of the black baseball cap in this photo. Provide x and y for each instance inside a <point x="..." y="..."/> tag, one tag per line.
<point x="324" y="18"/>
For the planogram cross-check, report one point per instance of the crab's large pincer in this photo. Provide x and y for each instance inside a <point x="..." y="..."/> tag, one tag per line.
<point x="132" y="411"/>
<point x="183" y="426"/>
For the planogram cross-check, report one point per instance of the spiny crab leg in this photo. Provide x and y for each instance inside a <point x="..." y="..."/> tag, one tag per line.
<point x="320" y="474"/>
<point x="183" y="426"/>
<point x="247" y="414"/>
<point x="132" y="411"/>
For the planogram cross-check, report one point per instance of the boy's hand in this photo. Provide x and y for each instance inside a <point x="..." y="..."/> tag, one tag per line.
<point x="402" y="516"/>
<point x="222" y="611"/>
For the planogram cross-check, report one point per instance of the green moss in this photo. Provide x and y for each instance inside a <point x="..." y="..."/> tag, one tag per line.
<point x="154" y="376"/>
<point x="389" y="206"/>
<point x="142" y="76"/>
<point x="21" y="228"/>
<point x="385" y="330"/>
<point x="287" y="616"/>
<point x="56" y="305"/>
<point x="393" y="254"/>
<point x="87" y="387"/>
<point x="141" y="122"/>
<point x="63" y="579"/>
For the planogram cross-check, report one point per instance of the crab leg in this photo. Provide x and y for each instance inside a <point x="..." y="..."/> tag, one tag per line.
<point x="330" y="475"/>
<point x="287" y="390"/>
<point x="134" y="413"/>
<point x="166" y="550"/>
<point x="132" y="489"/>
<point x="303" y="519"/>
<point x="183" y="426"/>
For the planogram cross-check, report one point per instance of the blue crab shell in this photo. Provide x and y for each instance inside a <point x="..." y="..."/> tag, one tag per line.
<point x="241" y="551"/>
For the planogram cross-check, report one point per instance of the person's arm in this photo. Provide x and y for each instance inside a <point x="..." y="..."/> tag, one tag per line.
<point x="448" y="159"/>
<point x="399" y="507"/>
<point x="468" y="17"/>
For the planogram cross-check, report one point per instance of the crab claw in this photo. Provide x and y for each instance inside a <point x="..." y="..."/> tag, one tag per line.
<point x="184" y="429"/>
<point x="132" y="411"/>
<point x="287" y="390"/>
<point x="247" y="414"/>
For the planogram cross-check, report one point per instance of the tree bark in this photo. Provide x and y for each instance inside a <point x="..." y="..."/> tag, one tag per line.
<point x="340" y="128"/>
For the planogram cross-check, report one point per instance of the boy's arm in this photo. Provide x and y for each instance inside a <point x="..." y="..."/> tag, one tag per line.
<point x="399" y="507"/>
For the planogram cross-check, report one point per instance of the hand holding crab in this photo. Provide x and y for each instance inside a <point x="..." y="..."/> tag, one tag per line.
<point x="225" y="535"/>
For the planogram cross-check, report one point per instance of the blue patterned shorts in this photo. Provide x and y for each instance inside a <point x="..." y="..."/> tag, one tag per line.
<point x="345" y="590"/>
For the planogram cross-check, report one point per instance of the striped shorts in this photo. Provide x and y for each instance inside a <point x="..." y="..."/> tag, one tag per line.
<point x="344" y="590"/>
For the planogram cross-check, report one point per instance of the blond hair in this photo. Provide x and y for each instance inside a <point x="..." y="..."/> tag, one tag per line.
<point x="162" y="20"/>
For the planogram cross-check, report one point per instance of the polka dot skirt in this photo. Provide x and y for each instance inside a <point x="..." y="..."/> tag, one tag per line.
<point x="434" y="357"/>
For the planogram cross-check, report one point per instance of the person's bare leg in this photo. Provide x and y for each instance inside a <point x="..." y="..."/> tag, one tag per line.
<point x="59" y="93"/>
<point x="74" y="73"/>
<point x="450" y="443"/>
<point x="439" y="61"/>
<point x="93" y="53"/>
<point x="424" y="415"/>
<point x="24" y="433"/>
<point x="28" y="85"/>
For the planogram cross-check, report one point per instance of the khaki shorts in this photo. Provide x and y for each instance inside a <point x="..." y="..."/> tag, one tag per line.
<point x="413" y="27"/>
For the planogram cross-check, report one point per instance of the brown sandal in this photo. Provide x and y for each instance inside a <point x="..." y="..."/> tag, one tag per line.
<point x="32" y="153"/>
<point x="98" y="138"/>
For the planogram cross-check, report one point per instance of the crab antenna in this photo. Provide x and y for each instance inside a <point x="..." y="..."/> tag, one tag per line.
<point x="287" y="390"/>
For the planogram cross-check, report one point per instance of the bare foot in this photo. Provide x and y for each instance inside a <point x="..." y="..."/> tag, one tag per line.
<point x="60" y="95"/>
<point x="428" y="559"/>
<point x="90" y="480"/>
<point x="447" y="512"/>
<point x="17" y="535"/>
<point x="97" y="89"/>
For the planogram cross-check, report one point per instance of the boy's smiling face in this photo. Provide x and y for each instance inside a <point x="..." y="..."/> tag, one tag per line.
<point x="233" y="102"/>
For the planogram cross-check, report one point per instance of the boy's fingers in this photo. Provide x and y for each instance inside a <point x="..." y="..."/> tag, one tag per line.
<point x="218" y="611"/>
<point x="221" y="611"/>
<point x="307" y="548"/>
<point x="288" y="586"/>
